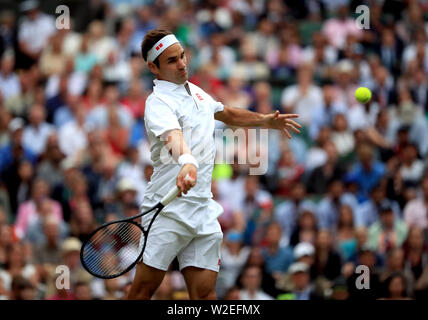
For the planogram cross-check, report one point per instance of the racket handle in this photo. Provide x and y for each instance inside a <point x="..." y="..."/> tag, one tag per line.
<point x="172" y="194"/>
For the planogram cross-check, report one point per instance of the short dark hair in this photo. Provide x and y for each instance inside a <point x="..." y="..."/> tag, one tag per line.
<point x="150" y="40"/>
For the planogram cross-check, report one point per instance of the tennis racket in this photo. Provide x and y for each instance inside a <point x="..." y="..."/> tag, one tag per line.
<point x="116" y="247"/>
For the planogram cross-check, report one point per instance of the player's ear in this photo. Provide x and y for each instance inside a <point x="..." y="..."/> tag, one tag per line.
<point x="153" y="68"/>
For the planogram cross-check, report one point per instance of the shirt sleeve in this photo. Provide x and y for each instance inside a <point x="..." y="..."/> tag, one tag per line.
<point x="160" y="117"/>
<point x="216" y="106"/>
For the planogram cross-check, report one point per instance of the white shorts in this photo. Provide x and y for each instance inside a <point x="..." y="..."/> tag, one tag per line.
<point x="188" y="230"/>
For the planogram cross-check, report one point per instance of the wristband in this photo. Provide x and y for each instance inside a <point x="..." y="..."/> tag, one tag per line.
<point x="188" y="158"/>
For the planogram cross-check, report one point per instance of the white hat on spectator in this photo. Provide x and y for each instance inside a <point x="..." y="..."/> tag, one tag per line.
<point x="345" y="66"/>
<point x="15" y="124"/>
<point x="68" y="163"/>
<point x="29" y="5"/>
<point x="126" y="184"/>
<point x="303" y="249"/>
<point x="71" y="244"/>
<point x="298" y="267"/>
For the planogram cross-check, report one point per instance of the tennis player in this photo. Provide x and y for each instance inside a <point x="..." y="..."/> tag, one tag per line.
<point x="179" y="118"/>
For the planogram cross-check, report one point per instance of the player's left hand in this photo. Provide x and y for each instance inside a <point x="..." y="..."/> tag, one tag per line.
<point x="282" y="122"/>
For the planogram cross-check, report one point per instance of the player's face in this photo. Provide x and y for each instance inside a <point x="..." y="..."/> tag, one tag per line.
<point x="173" y="65"/>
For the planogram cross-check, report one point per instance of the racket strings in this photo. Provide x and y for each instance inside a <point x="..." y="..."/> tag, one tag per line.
<point x="112" y="249"/>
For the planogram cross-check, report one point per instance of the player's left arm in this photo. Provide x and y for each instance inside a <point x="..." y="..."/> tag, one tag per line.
<point x="245" y="118"/>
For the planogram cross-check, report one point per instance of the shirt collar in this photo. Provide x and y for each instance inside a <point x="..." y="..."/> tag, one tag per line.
<point x="164" y="85"/>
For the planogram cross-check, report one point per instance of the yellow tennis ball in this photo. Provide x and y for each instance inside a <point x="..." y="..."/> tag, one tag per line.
<point x="363" y="94"/>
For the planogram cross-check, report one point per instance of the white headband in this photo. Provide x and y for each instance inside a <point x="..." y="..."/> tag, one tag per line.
<point x="160" y="46"/>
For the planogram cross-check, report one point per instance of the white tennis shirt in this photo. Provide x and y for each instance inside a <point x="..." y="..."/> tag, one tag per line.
<point x="170" y="107"/>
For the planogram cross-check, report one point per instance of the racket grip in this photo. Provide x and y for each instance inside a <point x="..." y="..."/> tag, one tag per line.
<point x="172" y="194"/>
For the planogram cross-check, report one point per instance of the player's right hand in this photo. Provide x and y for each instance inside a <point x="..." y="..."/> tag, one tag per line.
<point x="186" y="178"/>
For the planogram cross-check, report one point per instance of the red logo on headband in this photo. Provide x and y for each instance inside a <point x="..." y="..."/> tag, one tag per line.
<point x="159" y="46"/>
<point x="199" y="96"/>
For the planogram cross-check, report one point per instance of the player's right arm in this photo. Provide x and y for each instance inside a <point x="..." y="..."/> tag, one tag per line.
<point x="181" y="153"/>
<point x="162" y="121"/>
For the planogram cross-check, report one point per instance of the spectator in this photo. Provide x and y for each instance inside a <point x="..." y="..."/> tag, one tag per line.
<point x="22" y="289"/>
<point x="306" y="228"/>
<point x="50" y="167"/>
<point x="82" y="221"/>
<point x="250" y="67"/>
<point x="302" y="98"/>
<point x="33" y="32"/>
<point x="419" y="89"/>
<point x="52" y="60"/>
<point x="251" y="281"/>
<point x="235" y="94"/>
<point x="368" y="212"/>
<point x="288" y="212"/>
<point x="328" y="209"/>
<point x="301" y="286"/>
<point x="411" y="169"/>
<point x="390" y="51"/>
<point x="99" y="117"/>
<point x="18" y="182"/>
<point x="37" y="133"/>
<point x="367" y="172"/>
<point x="48" y="251"/>
<point x="85" y="60"/>
<point x="277" y="258"/>
<point x="338" y="28"/>
<point x="72" y="135"/>
<point x="415" y="254"/>
<point x="93" y="95"/>
<point x="320" y="53"/>
<point x="255" y="259"/>
<point x="230" y="219"/>
<point x="38" y="205"/>
<point x="17" y="266"/>
<point x="328" y="111"/>
<point x="407" y="113"/>
<point x="9" y="80"/>
<point x="415" y="210"/>
<point x="346" y="233"/>
<point x="331" y="169"/>
<point x="395" y="264"/>
<point x="15" y="150"/>
<point x="218" y="49"/>
<point x="70" y="251"/>
<point x="258" y="207"/>
<point x="389" y="232"/>
<point x="47" y="227"/>
<point x="99" y="43"/>
<point x="342" y="136"/>
<point x="327" y="261"/>
<point x="288" y="172"/>
<point x="113" y="289"/>
<point x="82" y="291"/>
<point x="135" y="100"/>
<point x="395" y="287"/>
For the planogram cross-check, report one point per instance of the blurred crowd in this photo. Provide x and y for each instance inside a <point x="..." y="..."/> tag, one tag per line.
<point x="350" y="190"/>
